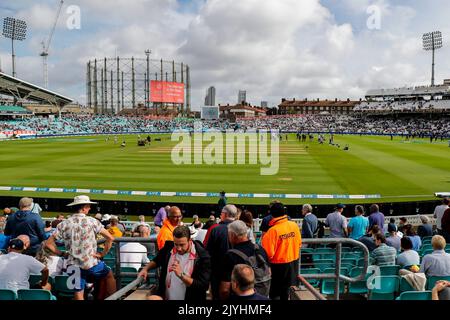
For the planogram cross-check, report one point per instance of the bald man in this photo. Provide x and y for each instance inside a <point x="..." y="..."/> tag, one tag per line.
<point x="166" y="233"/>
<point x="243" y="284"/>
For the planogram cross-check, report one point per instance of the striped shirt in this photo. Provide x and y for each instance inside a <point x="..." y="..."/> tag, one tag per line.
<point x="384" y="255"/>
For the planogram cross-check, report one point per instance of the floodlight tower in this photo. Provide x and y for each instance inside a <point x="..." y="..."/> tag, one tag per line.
<point x="431" y="42"/>
<point x="14" y="29"/>
<point x="148" y="52"/>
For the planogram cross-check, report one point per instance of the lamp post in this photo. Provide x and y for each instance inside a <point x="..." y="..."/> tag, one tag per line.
<point x="431" y="42"/>
<point x="14" y="29"/>
<point x="148" y="53"/>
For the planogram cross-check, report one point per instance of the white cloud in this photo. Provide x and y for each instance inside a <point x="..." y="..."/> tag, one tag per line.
<point x="271" y="48"/>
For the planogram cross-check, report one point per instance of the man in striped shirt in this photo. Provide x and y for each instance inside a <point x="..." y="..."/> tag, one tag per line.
<point x="383" y="255"/>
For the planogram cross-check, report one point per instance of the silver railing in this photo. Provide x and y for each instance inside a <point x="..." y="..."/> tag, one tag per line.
<point x="337" y="276"/>
<point x="118" y="274"/>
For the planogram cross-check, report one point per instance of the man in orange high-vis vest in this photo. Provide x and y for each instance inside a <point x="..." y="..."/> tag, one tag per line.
<point x="166" y="233"/>
<point x="282" y="244"/>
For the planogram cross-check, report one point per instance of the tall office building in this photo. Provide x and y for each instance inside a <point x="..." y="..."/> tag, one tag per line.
<point x="242" y="96"/>
<point x="264" y="104"/>
<point x="210" y="99"/>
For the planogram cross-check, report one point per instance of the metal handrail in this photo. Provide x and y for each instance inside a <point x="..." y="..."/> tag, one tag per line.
<point x="118" y="274"/>
<point x="337" y="276"/>
<point x="310" y="288"/>
<point x="132" y="285"/>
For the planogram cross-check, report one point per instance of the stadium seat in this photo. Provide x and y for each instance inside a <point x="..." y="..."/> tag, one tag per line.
<point x="124" y="280"/>
<point x="323" y="264"/>
<point x="352" y="255"/>
<point x="405" y="286"/>
<point x="34" y="280"/>
<point x="359" y="287"/>
<point x="6" y="294"/>
<point x="425" y="252"/>
<point x="351" y="261"/>
<point x="35" y="294"/>
<point x="313" y="282"/>
<point x="425" y="247"/>
<point x="389" y="270"/>
<point x="328" y="285"/>
<point x="60" y="287"/>
<point x="360" y="262"/>
<point x="431" y="281"/>
<point x="415" y="295"/>
<point x="388" y="286"/>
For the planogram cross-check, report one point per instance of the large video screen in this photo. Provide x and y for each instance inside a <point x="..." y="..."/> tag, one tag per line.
<point x="166" y="92"/>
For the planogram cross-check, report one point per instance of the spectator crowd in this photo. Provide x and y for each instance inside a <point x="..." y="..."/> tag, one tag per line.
<point x="222" y="259"/>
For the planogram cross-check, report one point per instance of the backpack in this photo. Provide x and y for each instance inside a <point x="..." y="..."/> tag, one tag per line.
<point x="261" y="269"/>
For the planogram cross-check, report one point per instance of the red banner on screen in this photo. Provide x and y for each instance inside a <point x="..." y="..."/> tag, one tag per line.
<point x="167" y="92"/>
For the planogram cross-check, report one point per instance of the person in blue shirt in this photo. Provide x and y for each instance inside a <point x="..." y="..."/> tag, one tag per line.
<point x="25" y="222"/>
<point x="416" y="241"/>
<point x="3" y="239"/>
<point x="358" y="225"/>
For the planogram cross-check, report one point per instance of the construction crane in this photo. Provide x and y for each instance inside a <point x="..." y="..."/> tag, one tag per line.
<point x="46" y="45"/>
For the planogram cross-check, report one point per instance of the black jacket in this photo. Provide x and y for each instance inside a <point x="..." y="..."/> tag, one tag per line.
<point x="218" y="245"/>
<point x="201" y="273"/>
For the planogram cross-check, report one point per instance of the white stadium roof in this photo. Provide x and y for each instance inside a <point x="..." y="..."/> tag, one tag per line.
<point x="23" y="90"/>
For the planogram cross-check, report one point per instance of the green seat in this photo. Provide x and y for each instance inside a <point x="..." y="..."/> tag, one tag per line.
<point x="425" y="252"/>
<point x="34" y="294"/>
<point x="34" y="280"/>
<point x="6" y="294"/>
<point x="307" y="250"/>
<point x="415" y="295"/>
<point x="124" y="280"/>
<point x="323" y="264"/>
<point x="351" y="261"/>
<point x="385" y="287"/>
<point x="405" y="286"/>
<point x="110" y="262"/>
<point x="389" y="270"/>
<point x="360" y="262"/>
<point x="431" y="281"/>
<point x="353" y="256"/>
<point x="425" y="247"/>
<point x="313" y="282"/>
<point x="61" y="288"/>
<point x="359" y="287"/>
<point x="328" y="285"/>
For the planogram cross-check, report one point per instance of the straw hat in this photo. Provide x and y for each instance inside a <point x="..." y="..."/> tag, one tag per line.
<point x="81" y="200"/>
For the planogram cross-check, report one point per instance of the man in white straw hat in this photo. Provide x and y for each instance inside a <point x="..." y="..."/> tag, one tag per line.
<point x="79" y="235"/>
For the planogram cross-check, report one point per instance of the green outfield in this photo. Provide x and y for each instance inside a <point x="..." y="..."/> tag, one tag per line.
<point x="397" y="170"/>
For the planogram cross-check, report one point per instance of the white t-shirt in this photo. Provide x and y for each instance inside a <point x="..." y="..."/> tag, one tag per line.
<point x="201" y="234"/>
<point x="177" y="290"/>
<point x="439" y="213"/>
<point x="133" y="255"/>
<point x="54" y="264"/>
<point x="15" y="269"/>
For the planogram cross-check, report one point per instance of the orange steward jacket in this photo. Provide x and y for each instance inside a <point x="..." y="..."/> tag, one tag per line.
<point x="282" y="241"/>
<point x="166" y="233"/>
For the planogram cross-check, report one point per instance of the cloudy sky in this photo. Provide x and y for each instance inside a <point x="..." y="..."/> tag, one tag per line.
<point x="271" y="48"/>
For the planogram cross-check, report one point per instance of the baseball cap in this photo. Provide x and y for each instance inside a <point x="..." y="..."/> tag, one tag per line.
<point x="340" y="206"/>
<point x="392" y="227"/>
<point x="16" y="244"/>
